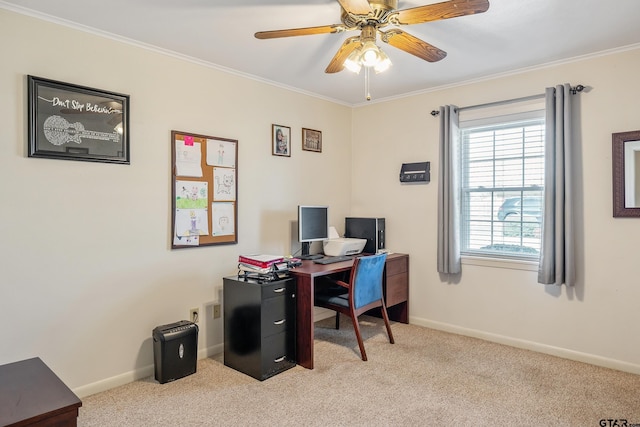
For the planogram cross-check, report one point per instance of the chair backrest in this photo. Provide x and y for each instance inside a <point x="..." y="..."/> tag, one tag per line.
<point x="366" y="279"/>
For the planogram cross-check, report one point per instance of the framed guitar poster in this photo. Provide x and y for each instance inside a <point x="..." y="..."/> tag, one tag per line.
<point x="72" y="122"/>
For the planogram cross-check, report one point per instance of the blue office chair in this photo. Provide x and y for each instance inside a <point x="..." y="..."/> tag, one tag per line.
<point x="361" y="294"/>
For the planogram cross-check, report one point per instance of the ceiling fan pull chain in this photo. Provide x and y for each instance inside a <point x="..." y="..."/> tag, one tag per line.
<point x="366" y="83"/>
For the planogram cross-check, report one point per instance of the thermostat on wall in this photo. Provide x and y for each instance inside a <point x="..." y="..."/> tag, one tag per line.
<point x="415" y="172"/>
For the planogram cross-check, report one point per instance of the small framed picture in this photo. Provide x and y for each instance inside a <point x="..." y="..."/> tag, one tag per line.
<point x="281" y="140"/>
<point x="312" y="140"/>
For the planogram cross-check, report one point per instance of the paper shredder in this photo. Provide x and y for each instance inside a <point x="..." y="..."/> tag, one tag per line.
<point x="175" y="350"/>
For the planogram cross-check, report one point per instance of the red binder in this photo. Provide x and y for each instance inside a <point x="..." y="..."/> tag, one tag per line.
<point x="262" y="261"/>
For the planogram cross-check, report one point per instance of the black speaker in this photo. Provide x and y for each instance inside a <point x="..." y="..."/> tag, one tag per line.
<point x="175" y="350"/>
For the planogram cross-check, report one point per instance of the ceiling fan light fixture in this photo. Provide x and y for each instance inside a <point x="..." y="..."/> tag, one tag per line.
<point x="384" y="62"/>
<point x="352" y="63"/>
<point x="370" y="54"/>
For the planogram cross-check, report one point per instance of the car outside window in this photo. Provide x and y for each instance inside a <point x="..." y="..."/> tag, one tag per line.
<point x="502" y="182"/>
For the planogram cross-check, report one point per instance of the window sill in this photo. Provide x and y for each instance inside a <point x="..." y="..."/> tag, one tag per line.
<point x="512" y="264"/>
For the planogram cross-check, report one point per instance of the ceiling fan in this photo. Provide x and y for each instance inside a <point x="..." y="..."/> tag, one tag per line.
<point x="371" y="17"/>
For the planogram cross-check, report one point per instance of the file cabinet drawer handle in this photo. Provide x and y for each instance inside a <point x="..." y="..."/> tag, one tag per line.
<point x="279" y="322"/>
<point x="278" y="291"/>
<point x="279" y="359"/>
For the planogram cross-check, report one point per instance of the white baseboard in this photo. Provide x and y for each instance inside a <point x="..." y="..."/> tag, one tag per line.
<point x="147" y="371"/>
<point x="137" y="374"/>
<point x="592" y="359"/>
<point x="530" y="345"/>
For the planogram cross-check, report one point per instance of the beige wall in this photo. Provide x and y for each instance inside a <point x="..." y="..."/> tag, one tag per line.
<point x="87" y="272"/>
<point x="597" y="320"/>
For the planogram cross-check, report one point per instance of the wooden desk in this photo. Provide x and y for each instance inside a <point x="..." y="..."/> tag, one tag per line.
<point x="396" y="291"/>
<point x="32" y="395"/>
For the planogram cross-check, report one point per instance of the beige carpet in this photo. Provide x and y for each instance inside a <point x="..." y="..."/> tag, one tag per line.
<point x="427" y="378"/>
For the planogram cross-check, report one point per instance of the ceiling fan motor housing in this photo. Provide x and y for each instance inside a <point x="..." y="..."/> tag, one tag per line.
<point x="368" y="34"/>
<point x="380" y="9"/>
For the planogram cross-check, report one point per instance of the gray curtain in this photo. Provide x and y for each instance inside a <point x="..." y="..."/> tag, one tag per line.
<point x="448" y="194"/>
<point x="557" y="255"/>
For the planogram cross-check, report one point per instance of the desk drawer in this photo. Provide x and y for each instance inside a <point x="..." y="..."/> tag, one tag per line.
<point x="397" y="265"/>
<point x="277" y="355"/>
<point x="271" y="290"/>
<point x="274" y="316"/>
<point x="397" y="289"/>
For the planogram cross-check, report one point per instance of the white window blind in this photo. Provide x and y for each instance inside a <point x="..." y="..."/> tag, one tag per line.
<point x="502" y="182"/>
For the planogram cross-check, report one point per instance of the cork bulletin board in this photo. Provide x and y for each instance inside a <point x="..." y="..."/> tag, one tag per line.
<point x="204" y="190"/>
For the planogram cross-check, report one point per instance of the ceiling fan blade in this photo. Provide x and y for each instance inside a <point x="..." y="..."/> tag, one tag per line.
<point x="325" y="29"/>
<point x="437" y="11"/>
<point x="357" y="7"/>
<point x="337" y="62"/>
<point x="413" y="45"/>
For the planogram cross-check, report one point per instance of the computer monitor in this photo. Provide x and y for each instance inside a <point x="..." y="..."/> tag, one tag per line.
<point x="313" y="225"/>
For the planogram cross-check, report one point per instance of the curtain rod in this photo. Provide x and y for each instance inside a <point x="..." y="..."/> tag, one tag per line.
<point x="574" y="90"/>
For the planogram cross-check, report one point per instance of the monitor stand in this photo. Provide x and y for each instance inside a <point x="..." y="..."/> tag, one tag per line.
<point x="313" y="256"/>
<point x="305" y="252"/>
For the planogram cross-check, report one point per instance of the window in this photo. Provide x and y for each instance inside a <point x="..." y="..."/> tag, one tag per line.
<point x="502" y="182"/>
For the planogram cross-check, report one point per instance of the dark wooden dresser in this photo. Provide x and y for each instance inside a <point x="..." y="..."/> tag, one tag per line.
<point x="32" y="395"/>
<point x="259" y="326"/>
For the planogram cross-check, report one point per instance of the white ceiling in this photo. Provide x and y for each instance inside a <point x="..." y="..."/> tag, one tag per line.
<point x="512" y="35"/>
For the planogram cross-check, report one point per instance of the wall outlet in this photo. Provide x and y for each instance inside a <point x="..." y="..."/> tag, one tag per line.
<point x="194" y="315"/>
<point x="216" y="311"/>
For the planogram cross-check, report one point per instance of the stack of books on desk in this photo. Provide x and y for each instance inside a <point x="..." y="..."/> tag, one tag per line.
<point x="266" y="267"/>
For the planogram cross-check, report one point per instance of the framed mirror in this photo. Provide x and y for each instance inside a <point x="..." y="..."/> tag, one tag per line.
<point x="626" y="174"/>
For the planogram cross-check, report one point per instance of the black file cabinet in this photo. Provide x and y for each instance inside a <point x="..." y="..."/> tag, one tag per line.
<point x="259" y="326"/>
